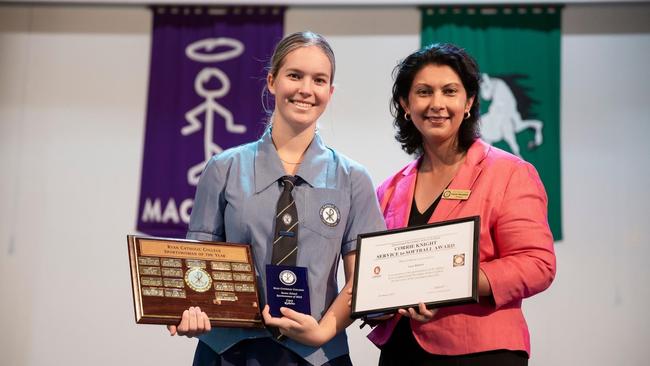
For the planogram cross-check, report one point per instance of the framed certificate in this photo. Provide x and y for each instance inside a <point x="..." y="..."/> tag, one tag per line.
<point x="170" y="275"/>
<point x="436" y="264"/>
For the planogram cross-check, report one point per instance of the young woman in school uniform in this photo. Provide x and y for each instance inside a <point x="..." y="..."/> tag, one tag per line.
<point x="334" y="198"/>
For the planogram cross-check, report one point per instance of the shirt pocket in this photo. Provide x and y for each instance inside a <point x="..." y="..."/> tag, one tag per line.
<point x="326" y="212"/>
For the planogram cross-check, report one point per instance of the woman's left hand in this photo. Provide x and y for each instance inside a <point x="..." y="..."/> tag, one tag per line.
<point x="297" y="326"/>
<point x="423" y="314"/>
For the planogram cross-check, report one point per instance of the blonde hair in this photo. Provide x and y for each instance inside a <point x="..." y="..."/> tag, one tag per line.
<point x="295" y="41"/>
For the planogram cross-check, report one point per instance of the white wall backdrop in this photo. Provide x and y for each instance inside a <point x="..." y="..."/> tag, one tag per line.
<point x="73" y="84"/>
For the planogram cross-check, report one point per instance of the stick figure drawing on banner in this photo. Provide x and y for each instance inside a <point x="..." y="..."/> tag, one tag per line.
<point x="210" y="108"/>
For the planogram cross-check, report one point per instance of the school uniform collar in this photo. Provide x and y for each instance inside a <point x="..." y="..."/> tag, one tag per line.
<point x="314" y="169"/>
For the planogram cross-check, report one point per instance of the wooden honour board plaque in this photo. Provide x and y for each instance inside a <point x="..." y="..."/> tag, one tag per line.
<point x="170" y="275"/>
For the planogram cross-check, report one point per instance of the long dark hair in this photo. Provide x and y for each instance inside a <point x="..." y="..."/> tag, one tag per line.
<point x="404" y="73"/>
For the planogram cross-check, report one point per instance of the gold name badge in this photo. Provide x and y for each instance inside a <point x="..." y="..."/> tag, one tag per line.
<point x="456" y="194"/>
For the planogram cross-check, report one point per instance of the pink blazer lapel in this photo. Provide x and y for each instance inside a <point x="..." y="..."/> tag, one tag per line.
<point x="464" y="179"/>
<point x="399" y="202"/>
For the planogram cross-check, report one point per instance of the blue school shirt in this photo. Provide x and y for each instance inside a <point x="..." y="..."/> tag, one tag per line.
<point x="236" y="201"/>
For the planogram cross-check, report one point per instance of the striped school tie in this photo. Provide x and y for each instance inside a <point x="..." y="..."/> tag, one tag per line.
<point x="285" y="243"/>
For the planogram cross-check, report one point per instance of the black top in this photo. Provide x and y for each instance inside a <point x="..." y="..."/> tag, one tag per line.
<point x="402" y="348"/>
<point x="416" y="218"/>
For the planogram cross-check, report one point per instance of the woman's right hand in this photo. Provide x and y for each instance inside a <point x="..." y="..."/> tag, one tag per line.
<point x="422" y="314"/>
<point x="194" y="322"/>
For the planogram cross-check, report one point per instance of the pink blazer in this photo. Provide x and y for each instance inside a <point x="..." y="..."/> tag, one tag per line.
<point x="516" y="250"/>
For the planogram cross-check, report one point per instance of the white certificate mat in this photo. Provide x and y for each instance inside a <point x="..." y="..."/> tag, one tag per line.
<point x="436" y="264"/>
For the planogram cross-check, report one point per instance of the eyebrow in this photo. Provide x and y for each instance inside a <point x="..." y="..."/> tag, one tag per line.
<point x="444" y="86"/>
<point x="320" y="74"/>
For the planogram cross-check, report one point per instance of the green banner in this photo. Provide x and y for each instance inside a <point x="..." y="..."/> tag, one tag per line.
<point x="518" y="52"/>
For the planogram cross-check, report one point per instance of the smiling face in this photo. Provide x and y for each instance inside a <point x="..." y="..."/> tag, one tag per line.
<point x="302" y="87"/>
<point x="437" y="103"/>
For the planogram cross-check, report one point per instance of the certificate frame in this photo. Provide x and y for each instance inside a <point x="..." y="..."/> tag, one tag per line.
<point x="397" y="269"/>
<point x="170" y="275"/>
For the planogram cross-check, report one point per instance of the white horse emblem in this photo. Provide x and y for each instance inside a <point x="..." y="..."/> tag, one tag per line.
<point x="503" y="121"/>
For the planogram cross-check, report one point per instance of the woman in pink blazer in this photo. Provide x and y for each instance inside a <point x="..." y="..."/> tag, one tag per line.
<point x="436" y="107"/>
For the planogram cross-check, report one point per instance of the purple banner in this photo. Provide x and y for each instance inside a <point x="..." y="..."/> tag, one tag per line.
<point x="207" y="74"/>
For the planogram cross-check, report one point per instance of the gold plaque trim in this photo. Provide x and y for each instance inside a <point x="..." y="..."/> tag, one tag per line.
<point x="244" y="277"/>
<point x="152" y="291"/>
<point x="224" y="286"/>
<point x="172" y="262"/>
<point x="150" y="271"/>
<point x="148" y="261"/>
<point x="172" y="272"/>
<point x="151" y="281"/>
<point x="225" y="296"/>
<point x="222" y="276"/>
<point x="241" y="267"/>
<point x="174" y="282"/>
<point x="175" y="293"/>
<point x="220" y="266"/>
<point x="244" y="287"/>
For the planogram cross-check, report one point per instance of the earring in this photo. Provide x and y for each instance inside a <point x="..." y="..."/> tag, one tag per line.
<point x="467" y="115"/>
<point x="407" y="116"/>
